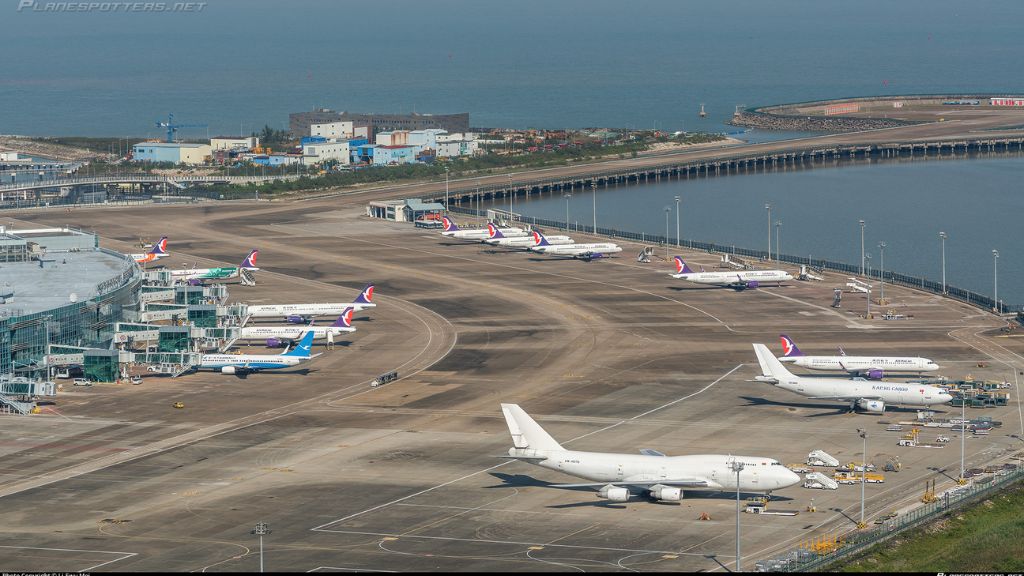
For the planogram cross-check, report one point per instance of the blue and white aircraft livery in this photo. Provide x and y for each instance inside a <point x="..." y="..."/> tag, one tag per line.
<point x="872" y="367"/>
<point x="585" y="252"/>
<point x="739" y="280"/>
<point x="245" y="363"/>
<point x="860" y="393"/>
<point x="618" y="476"/>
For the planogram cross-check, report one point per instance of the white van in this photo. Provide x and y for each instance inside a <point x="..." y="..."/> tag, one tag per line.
<point x="82" y="382"/>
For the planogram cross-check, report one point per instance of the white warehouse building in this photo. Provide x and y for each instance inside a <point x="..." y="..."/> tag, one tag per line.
<point x="234" y="143"/>
<point x="317" y="152"/>
<point x="331" y="130"/>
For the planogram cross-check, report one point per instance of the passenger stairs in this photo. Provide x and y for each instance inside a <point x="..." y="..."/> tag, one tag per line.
<point x="858" y="286"/>
<point x="821" y="458"/>
<point x="734" y="261"/>
<point x="820" y="481"/>
<point x="246" y="277"/>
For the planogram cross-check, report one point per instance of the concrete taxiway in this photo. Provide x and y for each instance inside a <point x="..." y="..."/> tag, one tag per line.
<point x="608" y="356"/>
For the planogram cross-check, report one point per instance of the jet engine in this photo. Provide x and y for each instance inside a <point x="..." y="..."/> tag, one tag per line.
<point x="274" y="342"/>
<point x="295" y="319"/>
<point x="195" y="282"/>
<point x="613" y="493"/>
<point x="667" y="493"/>
<point x="876" y="406"/>
<point x="752" y="284"/>
<point x="227" y="370"/>
<point x="875" y="374"/>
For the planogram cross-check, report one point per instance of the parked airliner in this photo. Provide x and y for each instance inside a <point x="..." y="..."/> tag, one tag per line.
<point x="873" y="367"/>
<point x="245" y="363"/>
<point x="158" y="251"/>
<point x="452" y="230"/>
<point x="275" y="335"/>
<point x="580" y="251"/>
<point x="302" y="313"/>
<point x="739" y="280"/>
<point x="500" y="239"/>
<point x="860" y="393"/>
<point x="617" y="476"/>
<point x="218" y="273"/>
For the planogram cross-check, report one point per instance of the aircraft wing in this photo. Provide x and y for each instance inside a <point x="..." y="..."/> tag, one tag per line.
<point x="682" y="483"/>
<point x="844" y="397"/>
<point x="651" y="452"/>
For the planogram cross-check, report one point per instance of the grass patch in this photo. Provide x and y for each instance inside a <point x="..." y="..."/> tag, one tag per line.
<point x="985" y="536"/>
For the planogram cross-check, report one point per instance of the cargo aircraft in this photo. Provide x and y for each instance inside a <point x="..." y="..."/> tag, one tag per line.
<point x="617" y="477"/>
<point x="869" y="396"/>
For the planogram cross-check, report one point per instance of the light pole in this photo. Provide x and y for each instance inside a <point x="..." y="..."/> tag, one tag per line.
<point x="881" y="273"/>
<point x="942" y="238"/>
<point x="737" y="467"/>
<point x="861" y="247"/>
<point x="863" y="475"/>
<point x="478" y="198"/>
<point x="511" y="192"/>
<point x="593" y="189"/>
<point x="567" y="195"/>
<point x="768" y="207"/>
<point x="778" y="225"/>
<point x="995" y="279"/>
<point x="963" y="434"/>
<point x="677" y="222"/>
<point x="667" y="210"/>
<point x="446" y="188"/>
<point x="261" y="530"/>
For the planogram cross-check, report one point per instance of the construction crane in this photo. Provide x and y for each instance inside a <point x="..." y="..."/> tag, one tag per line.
<point x="172" y="127"/>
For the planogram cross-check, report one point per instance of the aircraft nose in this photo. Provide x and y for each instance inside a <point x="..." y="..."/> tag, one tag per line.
<point x="790" y="478"/>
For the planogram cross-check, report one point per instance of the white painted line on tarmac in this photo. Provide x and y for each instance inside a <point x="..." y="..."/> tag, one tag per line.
<point x="321" y="528"/>
<point x="124" y="555"/>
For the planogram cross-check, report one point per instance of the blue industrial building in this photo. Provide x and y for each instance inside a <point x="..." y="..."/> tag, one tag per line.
<point x="387" y="155"/>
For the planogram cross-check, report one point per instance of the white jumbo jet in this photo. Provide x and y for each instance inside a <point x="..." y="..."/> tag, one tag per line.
<point x="585" y="252"/>
<point x="867" y="395"/>
<point x="650" y="472"/>
<point x="739" y="280"/>
<point x="871" y="367"/>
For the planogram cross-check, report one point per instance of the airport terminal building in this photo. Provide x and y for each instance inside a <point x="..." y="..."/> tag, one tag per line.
<point x="61" y="293"/>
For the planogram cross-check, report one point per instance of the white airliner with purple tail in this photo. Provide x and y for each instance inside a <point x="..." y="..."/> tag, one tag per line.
<point x="452" y="230"/>
<point x="585" y="252"/>
<point x="499" y="239"/>
<point x="278" y="335"/>
<point x="303" y="313"/>
<point x="871" y="367"/>
<point x="739" y="280"/>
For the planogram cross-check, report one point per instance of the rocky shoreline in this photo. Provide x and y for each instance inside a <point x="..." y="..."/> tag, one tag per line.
<point x="764" y="121"/>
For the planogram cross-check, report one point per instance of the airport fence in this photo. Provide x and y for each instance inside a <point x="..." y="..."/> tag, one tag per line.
<point x="813" y="264"/>
<point x="818" y="554"/>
